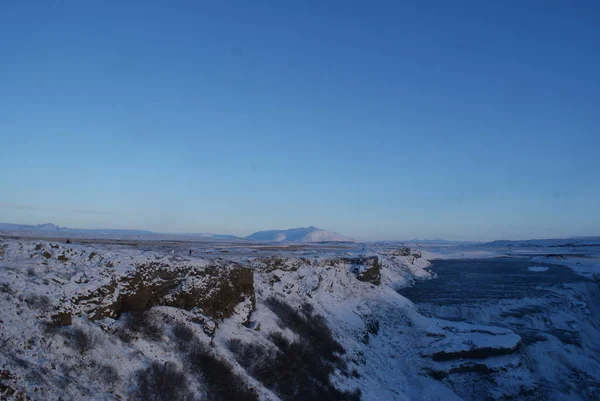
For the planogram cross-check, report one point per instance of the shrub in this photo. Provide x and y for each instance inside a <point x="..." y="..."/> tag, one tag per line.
<point x="222" y="383"/>
<point x="144" y="324"/>
<point x="106" y="374"/>
<point x="6" y="289"/>
<point x="83" y="340"/>
<point x="183" y="335"/>
<point x="35" y="376"/>
<point x="40" y="302"/>
<point x="371" y="327"/>
<point x="294" y="371"/>
<point x="109" y="374"/>
<point x="124" y="335"/>
<point x="301" y="369"/>
<point x="161" y="382"/>
<point x="311" y="327"/>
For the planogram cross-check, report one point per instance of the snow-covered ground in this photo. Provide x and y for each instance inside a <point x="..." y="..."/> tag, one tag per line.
<point x="70" y="329"/>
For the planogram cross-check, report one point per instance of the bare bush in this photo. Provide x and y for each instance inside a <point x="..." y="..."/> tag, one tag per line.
<point x="183" y="334"/>
<point x="161" y="382"/>
<point x="144" y="324"/>
<point x="6" y="289"/>
<point x="40" y="302"/>
<point x="309" y="326"/>
<point x="83" y="340"/>
<point x="124" y="335"/>
<point x="300" y="369"/>
<point x="106" y="374"/>
<point x="221" y="382"/>
<point x="36" y="376"/>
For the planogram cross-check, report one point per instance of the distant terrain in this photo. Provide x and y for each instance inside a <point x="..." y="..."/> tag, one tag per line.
<point x="54" y="229"/>
<point x="307" y="235"/>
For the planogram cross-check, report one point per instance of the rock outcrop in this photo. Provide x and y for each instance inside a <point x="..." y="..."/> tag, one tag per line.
<point x="366" y="268"/>
<point x="215" y="290"/>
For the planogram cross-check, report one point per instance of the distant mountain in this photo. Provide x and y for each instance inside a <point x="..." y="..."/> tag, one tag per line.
<point x="551" y="242"/>
<point x="223" y="236"/>
<point x="54" y="229"/>
<point x="416" y="241"/>
<point x="49" y="229"/>
<point x="308" y="234"/>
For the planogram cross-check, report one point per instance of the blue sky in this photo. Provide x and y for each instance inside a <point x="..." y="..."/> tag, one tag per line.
<point x="380" y="120"/>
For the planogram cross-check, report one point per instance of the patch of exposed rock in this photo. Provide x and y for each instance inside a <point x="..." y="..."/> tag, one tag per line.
<point x="214" y="290"/>
<point x="269" y="264"/>
<point x="366" y="268"/>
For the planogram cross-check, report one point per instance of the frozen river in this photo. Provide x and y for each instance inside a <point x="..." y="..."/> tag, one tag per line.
<point x="553" y="309"/>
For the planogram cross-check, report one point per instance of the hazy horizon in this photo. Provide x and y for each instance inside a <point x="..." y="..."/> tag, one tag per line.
<point x="243" y="235"/>
<point x="457" y="120"/>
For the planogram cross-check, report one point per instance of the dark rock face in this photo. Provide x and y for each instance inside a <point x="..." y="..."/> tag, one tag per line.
<point x="404" y="251"/>
<point x="62" y="319"/>
<point x="216" y="294"/>
<point x="272" y="263"/>
<point x="215" y="290"/>
<point x="366" y="269"/>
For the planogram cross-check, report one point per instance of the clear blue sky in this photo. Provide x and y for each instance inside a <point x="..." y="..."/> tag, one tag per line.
<point x="379" y="120"/>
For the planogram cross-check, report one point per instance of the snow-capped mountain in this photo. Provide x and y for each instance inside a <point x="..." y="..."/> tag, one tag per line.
<point x="308" y="234"/>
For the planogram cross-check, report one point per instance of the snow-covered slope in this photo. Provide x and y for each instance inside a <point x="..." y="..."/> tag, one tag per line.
<point x="308" y="234"/>
<point x="110" y="321"/>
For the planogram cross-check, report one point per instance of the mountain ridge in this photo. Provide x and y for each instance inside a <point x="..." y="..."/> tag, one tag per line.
<point x="300" y="234"/>
<point x="309" y="234"/>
